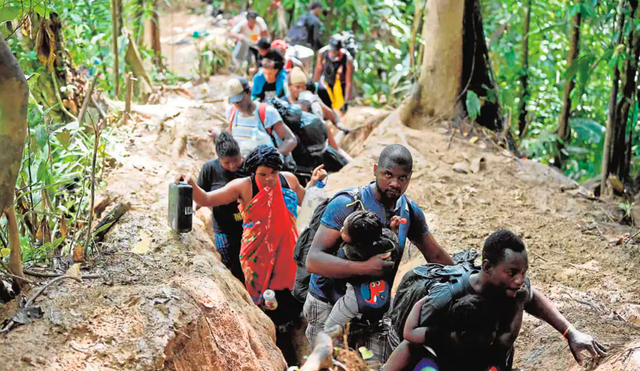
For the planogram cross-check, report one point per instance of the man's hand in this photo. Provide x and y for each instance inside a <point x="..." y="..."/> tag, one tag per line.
<point x="579" y="341"/>
<point x="319" y="174"/>
<point x="213" y="133"/>
<point x="186" y="178"/>
<point x="377" y="265"/>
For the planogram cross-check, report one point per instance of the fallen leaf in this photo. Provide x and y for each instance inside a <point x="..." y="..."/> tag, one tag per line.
<point x="477" y="164"/>
<point x="143" y="246"/>
<point x="78" y="254"/>
<point x="473" y="140"/>
<point x="63" y="226"/>
<point x="365" y="353"/>
<point x="74" y="271"/>
<point x="616" y="184"/>
<point x="461" y="167"/>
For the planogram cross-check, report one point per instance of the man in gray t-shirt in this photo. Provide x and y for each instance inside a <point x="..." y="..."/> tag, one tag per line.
<point x="246" y="125"/>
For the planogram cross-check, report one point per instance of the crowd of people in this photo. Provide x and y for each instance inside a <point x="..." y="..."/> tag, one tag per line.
<point x="281" y="141"/>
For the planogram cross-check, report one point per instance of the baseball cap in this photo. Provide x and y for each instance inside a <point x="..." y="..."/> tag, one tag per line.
<point x="315" y="5"/>
<point x="236" y="88"/>
<point x="297" y="76"/>
<point x="336" y="42"/>
<point x="263" y="43"/>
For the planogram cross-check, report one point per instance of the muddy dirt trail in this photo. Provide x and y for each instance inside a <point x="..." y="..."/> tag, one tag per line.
<point x="174" y="306"/>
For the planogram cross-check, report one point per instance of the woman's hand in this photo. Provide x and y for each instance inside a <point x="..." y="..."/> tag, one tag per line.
<point x="186" y="178"/>
<point x="319" y="174"/>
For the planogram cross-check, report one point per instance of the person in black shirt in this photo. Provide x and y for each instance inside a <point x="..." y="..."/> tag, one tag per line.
<point x="308" y="29"/>
<point x="227" y="220"/>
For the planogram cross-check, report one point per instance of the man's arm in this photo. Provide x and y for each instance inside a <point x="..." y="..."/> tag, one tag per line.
<point x="289" y="141"/>
<point x="318" y="74"/>
<point x="321" y="261"/>
<point x="432" y="251"/>
<point x="541" y="307"/>
<point x="236" y="31"/>
<point x="349" y="78"/>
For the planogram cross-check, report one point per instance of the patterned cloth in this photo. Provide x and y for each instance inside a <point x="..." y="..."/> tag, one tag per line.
<point x="269" y="236"/>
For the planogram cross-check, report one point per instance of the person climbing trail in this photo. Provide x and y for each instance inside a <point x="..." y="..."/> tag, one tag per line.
<point x="268" y="201"/>
<point x="501" y="280"/>
<point x="247" y="32"/>
<point x="334" y="70"/>
<point x="227" y="219"/>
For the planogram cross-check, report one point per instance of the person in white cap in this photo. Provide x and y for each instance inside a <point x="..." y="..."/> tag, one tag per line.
<point x="250" y="123"/>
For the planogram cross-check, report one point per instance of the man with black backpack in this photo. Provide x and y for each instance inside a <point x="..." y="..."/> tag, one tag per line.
<point x="307" y="31"/>
<point x="432" y="290"/>
<point x="385" y="197"/>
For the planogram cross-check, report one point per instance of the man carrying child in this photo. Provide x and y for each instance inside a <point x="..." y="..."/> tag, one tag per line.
<point x="385" y="197"/>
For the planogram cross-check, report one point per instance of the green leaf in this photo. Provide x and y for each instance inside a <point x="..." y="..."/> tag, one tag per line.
<point x="365" y="353"/>
<point x="9" y="13"/>
<point x="64" y="137"/>
<point x="42" y="135"/>
<point x="473" y="105"/>
<point x="5" y="252"/>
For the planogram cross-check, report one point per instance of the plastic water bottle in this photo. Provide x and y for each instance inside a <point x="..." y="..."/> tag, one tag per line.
<point x="312" y="198"/>
<point x="258" y="137"/>
<point x="270" y="301"/>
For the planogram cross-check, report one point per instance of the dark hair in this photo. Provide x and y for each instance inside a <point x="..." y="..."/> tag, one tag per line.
<point x="315" y="5"/>
<point x="226" y="146"/>
<point x="473" y="313"/>
<point x="498" y="242"/>
<point x="395" y="154"/>
<point x="264" y="43"/>
<point x="263" y="155"/>
<point x="252" y="14"/>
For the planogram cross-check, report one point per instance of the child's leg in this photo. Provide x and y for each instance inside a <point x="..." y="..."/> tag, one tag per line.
<point x="344" y="310"/>
<point x="404" y="357"/>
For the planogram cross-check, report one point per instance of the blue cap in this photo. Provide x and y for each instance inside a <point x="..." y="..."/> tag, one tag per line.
<point x="320" y="184"/>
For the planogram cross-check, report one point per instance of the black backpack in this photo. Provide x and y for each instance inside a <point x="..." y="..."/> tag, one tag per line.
<point x="301" y="250"/>
<point x="417" y="282"/>
<point x="299" y="34"/>
<point x="310" y="132"/>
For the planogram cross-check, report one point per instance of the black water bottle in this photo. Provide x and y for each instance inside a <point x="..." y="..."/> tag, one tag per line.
<point x="180" y="207"/>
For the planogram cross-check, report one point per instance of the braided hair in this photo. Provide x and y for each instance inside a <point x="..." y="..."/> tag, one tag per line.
<point x="226" y="145"/>
<point x="263" y="155"/>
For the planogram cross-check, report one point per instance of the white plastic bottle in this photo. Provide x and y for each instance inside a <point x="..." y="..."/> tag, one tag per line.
<point x="270" y="302"/>
<point x="312" y="198"/>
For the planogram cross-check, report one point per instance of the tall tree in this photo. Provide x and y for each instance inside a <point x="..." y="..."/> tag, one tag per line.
<point x="155" y="35"/>
<point x="524" y="75"/>
<point x="115" y="32"/>
<point x="613" y="99"/>
<point x="14" y="99"/>
<point x="437" y="92"/>
<point x="564" y="131"/>
<point x="455" y="65"/>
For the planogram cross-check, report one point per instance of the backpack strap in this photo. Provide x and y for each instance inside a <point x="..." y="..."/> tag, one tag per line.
<point x="232" y="117"/>
<point x="405" y="213"/>
<point x="262" y="116"/>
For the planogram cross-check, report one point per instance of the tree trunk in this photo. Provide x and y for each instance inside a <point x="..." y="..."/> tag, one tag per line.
<point x="138" y="22"/>
<point x="618" y="163"/>
<point x="155" y="36"/>
<point x="418" y="15"/>
<point x="441" y="64"/>
<point x="524" y="77"/>
<point x="613" y="99"/>
<point x="564" y="131"/>
<point x="114" y="43"/>
<point x="14" y="99"/>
